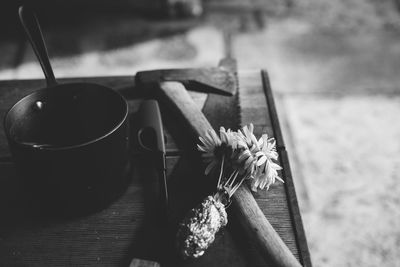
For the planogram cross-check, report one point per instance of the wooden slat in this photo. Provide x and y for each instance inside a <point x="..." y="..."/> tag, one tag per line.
<point x="274" y="202"/>
<point x="254" y="115"/>
<point x="299" y="234"/>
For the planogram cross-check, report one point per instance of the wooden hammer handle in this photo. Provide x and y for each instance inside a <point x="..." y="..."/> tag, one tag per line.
<point x="174" y="94"/>
<point x="250" y="216"/>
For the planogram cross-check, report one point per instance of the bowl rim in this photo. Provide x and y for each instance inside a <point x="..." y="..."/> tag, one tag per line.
<point x="59" y="87"/>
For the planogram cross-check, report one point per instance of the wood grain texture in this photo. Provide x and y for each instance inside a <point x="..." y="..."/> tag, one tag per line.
<point x="261" y="231"/>
<point x="114" y="236"/>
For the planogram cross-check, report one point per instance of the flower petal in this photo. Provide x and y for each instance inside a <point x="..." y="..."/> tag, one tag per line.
<point x="244" y="155"/>
<point x="215" y="137"/>
<point x="275" y="166"/>
<point x="206" y="141"/>
<point x="224" y="137"/>
<point x="254" y="141"/>
<point x="209" y="138"/>
<point x="259" y="154"/>
<point x="251" y="127"/>
<point x="263" y="183"/>
<point x="262" y="160"/>
<point x="201" y="148"/>
<point x="210" y="167"/>
<point x="241" y="143"/>
<point x="256" y="182"/>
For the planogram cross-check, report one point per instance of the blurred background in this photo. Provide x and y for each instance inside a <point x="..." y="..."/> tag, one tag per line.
<point x="334" y="68"/>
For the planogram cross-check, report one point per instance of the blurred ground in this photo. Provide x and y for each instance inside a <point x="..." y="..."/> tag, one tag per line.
<point x="334" y="68"/>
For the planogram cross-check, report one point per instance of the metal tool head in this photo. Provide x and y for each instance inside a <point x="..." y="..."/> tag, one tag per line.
<point x="207" y="80"/>
<point x="224" y="111"/>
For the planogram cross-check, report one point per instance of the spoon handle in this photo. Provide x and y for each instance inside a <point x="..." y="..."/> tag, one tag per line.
<point x="34" y="33"/>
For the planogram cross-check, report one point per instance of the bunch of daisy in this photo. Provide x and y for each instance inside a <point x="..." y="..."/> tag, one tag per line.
<point x="240" y="156"/>
<point x="233" y="157"/>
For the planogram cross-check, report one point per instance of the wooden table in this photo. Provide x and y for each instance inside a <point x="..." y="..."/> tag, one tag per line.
<point x="113" y="236"/>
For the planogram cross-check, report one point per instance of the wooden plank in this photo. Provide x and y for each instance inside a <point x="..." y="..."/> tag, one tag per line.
<point x="300" y="236"/>
<point x="274" y="202"/>
<point x="254" y="115"/>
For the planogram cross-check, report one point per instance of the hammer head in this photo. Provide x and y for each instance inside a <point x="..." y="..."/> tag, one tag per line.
<point x="207" y="80"/>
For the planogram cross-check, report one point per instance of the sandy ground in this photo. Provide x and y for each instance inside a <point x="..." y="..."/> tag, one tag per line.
<point x="334" y="69"/>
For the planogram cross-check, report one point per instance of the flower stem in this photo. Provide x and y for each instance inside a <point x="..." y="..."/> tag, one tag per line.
<point x="221" y="171"/>
<point x="236" y="172"/>
<point x="236" y="187"/>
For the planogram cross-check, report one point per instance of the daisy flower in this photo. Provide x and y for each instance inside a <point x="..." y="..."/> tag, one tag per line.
<point x="248" y="142"/>
<point x="266" y="170"/>
<point x="216" y="148"/>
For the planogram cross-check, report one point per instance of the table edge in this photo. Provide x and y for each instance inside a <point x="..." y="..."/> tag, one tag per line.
<point x="300" y="235"/>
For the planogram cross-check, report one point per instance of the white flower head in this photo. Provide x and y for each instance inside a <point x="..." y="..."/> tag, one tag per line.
<point x="243" y="154"/>
<point x="257" y="158"/>
<point x="266" y="170"/>
<point x="249" y="146"/>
